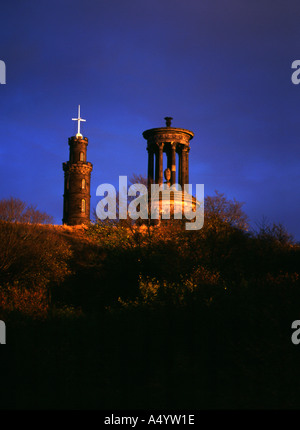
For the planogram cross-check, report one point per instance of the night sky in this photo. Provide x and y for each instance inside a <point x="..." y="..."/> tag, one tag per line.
<point x="221" y="69"/>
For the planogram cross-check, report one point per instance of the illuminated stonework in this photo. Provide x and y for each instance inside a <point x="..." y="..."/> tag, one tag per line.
<point x="77" y="183"/>
<point x="171" y="141"/>
<point x="175" y="143"/>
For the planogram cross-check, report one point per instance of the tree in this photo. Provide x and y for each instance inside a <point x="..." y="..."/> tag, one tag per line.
<point x="32" y="255"/>
<point x="273" y="233"/>
<point x="138" y="179"/>
<point x="33" y="259"/>
<point x="220" y="211"/>
<point x="15" y="210"/>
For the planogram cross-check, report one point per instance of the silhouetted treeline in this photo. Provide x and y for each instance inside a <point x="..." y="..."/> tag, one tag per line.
<point x="117" y="315"/>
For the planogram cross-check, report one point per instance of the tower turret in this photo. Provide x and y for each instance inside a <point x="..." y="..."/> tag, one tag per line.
<point x="77" y="180"/>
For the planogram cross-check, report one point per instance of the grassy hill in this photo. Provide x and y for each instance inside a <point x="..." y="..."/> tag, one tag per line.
<point x="112" y="316"/>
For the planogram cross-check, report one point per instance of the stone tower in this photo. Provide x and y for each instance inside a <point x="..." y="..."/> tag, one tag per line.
<point x="172" y="141"/>
<point x="77" y="172"/>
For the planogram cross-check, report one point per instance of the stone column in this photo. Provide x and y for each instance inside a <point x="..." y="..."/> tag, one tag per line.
<point x="187" y="176"/>
<point x="183" y="166"/>
<point x="159" y="164"/>
<point x="173" y="163"/>
<point x="179" y="163"/>
<point x="169" y="155"/>
<point x="156" y="165"/>
<point x="150" y="165"/>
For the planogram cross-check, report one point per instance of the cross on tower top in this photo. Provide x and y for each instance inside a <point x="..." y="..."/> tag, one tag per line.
<point x="79" y="120"/>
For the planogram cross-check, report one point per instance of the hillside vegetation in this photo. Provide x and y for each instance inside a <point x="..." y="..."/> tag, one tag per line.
<point x="115" y="315"/>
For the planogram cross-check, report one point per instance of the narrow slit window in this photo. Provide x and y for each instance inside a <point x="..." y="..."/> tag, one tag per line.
<point x="83" y="206"/>
<point x="81" y="156"/>
<point x="83" y="184"/>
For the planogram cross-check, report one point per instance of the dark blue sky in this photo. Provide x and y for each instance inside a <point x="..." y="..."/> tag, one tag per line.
<point x="220" y="68"/>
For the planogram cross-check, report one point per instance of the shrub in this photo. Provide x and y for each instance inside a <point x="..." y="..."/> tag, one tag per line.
<point x="32" y="255"/>
<point x="32" y="302"/>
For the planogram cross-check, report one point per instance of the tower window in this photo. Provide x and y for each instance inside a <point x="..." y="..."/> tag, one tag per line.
<point x="83" y="206"/>
<point x="81" y="156"/>
<point x="83" y="184"/>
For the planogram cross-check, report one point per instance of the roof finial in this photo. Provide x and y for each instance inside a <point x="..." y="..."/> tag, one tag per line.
<point x="79" y="120"/>
<point x="168" y="121"/>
